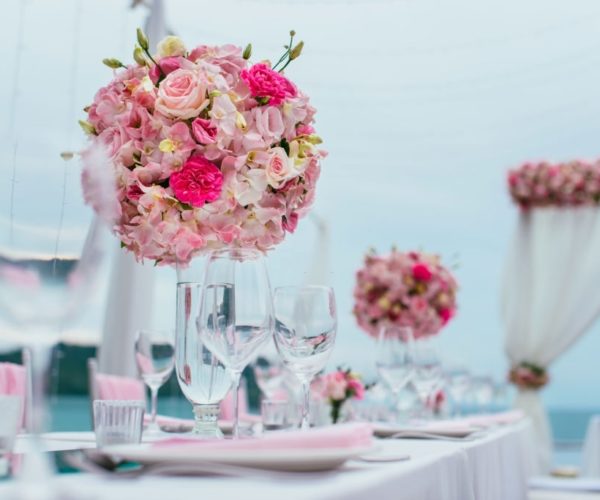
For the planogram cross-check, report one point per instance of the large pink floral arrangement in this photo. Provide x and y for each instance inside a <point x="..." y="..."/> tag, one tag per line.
<point x="404" y="289"/>
<point x="208" y="150"/>
<point x="545" y="184"/>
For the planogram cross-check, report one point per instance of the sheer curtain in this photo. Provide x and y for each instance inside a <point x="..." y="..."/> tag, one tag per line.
<point x="551" y="295"/>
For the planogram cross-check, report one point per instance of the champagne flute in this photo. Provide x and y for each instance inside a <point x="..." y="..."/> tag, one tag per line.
<point x="394" y="359"/>
<point x="155" y="357"/>
<point x="305" y="329"/>
<point x="236" y="314"/>
<point x="201" y="376"/>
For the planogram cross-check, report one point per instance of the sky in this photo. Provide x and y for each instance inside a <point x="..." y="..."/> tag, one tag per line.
<point x="423" y="106"/>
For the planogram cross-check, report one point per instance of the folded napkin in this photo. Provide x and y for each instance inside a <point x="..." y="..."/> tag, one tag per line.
<point x="355" y="435"/>
<point x="13" y="382"/>
<point x="113" y="387"/>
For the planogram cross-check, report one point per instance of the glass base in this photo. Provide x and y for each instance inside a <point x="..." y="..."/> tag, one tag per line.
<point x="206" y="422"/>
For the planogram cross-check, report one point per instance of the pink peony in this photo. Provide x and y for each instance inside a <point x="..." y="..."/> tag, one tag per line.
<point x="198" y="182"/>
<point x="265" y="83"/>
<point x="203" y="131"/>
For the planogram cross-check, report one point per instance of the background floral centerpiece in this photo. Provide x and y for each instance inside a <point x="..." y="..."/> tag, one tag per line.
<point x="404" y="289"/>
<point x="543" y="184"/>
<point x="207" y="150"/>
<point x="337" y="388"/>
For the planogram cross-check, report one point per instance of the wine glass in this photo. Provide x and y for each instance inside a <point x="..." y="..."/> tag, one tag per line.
<point x="236" y="315"/>
<point x="394" y="359"/>
<point x="269" y="371"/>
<point x="202" y="378"/>
<point x="427" y="370"/>
<point x="305" y="328"/>
<point x="155" y="357"/>
<point x="51" y="250"/>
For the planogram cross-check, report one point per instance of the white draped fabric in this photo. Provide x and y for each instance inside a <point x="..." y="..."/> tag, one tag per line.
<point x="131" y="289"/>
<point x="590" y="466"/>
<point x="551" y="294"/>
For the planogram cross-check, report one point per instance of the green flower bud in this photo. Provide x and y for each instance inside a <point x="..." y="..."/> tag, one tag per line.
<point x="67" y="155"/>
<point x="113" y="63"/>
<point x="142" y="39"/>
<point x="296" y="51"/>
<point x="138" y="56"/>
<point x="247" y="52"/>
<point x="292" y="33"/>
<point x="87" y="127"/>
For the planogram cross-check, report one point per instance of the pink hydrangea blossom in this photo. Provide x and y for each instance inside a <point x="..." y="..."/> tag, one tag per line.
<point x="198" y="182"/>
<point x="268" y="84"/>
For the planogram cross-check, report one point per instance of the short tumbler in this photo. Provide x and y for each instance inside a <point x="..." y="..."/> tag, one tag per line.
<point x="118" y="422"/>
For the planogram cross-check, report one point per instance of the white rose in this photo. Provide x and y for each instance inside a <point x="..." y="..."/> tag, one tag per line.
<point x="279" y="168"/>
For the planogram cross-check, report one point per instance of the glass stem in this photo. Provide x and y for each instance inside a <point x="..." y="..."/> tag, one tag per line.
<point x="37" y="468"/>
<point x="306" y="405"/>
<point x="153" y="406"/>
<point x="236" y="408"/>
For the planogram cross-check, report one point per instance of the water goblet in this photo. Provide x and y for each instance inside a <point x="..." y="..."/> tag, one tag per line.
<point x="203" y="379"/>
<point x="155" y="358"/>
<point x="394" y="359"/>
<point x="236" y="315"/>
<point x="428" y="376"/>
<point x="305" y="329"/>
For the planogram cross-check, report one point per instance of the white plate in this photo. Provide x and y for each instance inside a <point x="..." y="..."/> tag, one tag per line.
<point x="387" y="430"/>
<point x="290" y="460"/>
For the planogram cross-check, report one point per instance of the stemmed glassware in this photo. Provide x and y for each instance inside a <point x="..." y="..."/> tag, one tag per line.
<point x="394" y="359"/>
<point x="428" y="375"/>
<point x="305" y="329"/>
<point x="155" y="358"/>
<point x="236" y="314"/>
<point x="50" y="256"/>
<point x="202" y="378"/>
<point x="269" y="371"/>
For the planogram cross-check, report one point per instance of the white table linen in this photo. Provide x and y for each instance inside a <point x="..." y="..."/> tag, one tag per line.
<point x="494" y="467"/>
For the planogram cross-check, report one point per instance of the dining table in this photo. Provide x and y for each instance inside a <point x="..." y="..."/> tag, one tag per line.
<point x="494" y="464"/>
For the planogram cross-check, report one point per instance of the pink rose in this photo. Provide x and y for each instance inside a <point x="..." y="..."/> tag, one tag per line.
<point x="290" y="222"/>
<point x="182" y="94"/>
<point x="167" y="64"/>
<point x="357" y="388"/>
<point x="278" y="167"/>
<point x="265" y="83"/>
<point x="421" y="272"/>
<point x="198" y="182"/>
<point x="203" y="131"/>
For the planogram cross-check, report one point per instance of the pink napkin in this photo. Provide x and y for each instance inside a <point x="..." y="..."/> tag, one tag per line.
<point x="120" y="388"/>
<point x="226" y="406"/>
<point x="13" y="382"/>
<point x="355" y="435"/>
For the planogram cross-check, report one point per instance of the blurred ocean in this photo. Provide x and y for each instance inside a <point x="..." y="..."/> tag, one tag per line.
<point x="568" y="429"/>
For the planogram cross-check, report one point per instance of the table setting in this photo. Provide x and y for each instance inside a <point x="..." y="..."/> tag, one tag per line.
<point x="205" y="160"/>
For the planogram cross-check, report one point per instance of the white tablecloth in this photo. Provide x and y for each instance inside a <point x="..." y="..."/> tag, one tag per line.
<point x="494" y="467"/>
